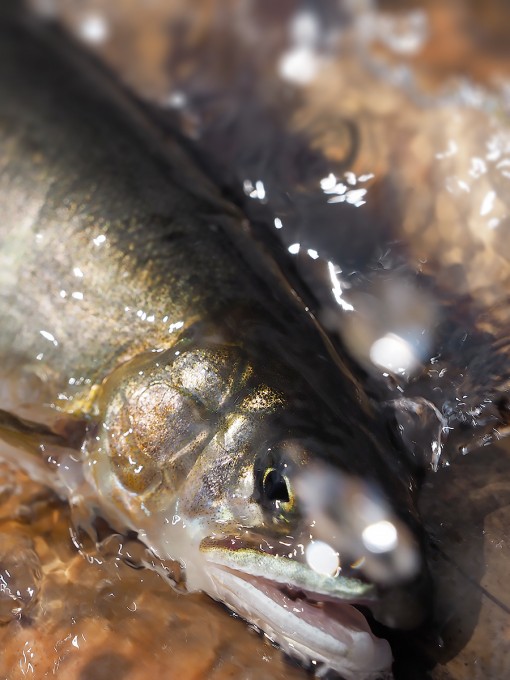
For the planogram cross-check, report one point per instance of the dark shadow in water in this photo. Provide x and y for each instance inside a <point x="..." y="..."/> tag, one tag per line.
<point x="106" y="666"/>
<point x="455" y="504"/>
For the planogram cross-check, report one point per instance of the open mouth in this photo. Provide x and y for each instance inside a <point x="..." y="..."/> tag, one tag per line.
<point x="321" y="630"/>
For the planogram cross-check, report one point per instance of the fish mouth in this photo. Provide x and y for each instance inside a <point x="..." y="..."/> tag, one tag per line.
<point x="320" y="629"/>
<point x="319" y="607"/>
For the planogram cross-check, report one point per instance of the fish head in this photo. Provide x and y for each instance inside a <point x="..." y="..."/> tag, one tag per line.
<point x="214" y="465"/>
<point x="310" y="578"/>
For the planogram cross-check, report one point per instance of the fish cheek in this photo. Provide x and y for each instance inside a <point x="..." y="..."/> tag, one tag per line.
<point x="154" y="434"/>
<point x="130" y="464"/>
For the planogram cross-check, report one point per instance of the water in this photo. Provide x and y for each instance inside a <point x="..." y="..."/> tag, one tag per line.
<point x="95" y="614"/>
<point x="19" y="577"/>
<point x="370" y="150"/>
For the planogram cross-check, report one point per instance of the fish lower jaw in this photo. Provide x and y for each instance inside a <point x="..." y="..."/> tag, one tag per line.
<point x="323" y="635"/>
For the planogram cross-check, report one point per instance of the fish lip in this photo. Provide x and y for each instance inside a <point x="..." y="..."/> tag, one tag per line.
<point x="221" y="551"/>
<point x="393" y="607"/>
<point x="342" y="640"/>
<point x="296" y="593"/>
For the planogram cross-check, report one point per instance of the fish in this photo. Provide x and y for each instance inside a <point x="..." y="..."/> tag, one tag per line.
<point x="422" y="225"/>
<point x="158" y="372"/>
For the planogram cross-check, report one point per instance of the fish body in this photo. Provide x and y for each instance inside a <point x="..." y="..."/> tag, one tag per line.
<point x="167" y="381"/>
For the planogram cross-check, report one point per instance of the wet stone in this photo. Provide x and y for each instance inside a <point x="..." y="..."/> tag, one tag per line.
<point x="106" y="666"/>
<point x="20" y="576"/>
<point x="7" y="484"/>
<point x="6" y="491"/>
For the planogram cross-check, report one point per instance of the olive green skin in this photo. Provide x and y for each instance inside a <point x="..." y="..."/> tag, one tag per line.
<point x="100" y="245"/>
<point x="71" y="173"/>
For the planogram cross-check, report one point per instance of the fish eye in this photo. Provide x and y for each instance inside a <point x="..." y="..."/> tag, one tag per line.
<point x="275" y="486"/>
<point x="276" y="490"/>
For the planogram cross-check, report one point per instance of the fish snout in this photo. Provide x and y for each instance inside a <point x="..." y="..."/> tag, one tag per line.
<point x="357" y="521"/>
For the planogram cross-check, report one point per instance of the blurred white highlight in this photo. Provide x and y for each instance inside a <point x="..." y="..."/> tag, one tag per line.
<point x="49" y="336"/>
<point x="380" y="537"/>
<point x="300" y="63"/>
<point x="488" y="203"/>
<point x="322" y="558"/>
<point x="94" y="29"/>
<point x="337" y="288"/>
<point x="99" y="240"/>
<point x="393" y="353"/>
<point x="256" y="191"/>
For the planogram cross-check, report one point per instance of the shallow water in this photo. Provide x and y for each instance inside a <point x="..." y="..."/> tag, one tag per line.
<point x="467" y="509"/>
<point x="416" y="114"/>
<point x="93" y="616"/>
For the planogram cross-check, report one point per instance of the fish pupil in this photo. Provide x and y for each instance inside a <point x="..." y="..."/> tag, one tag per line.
<point x="275" y="487"/>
